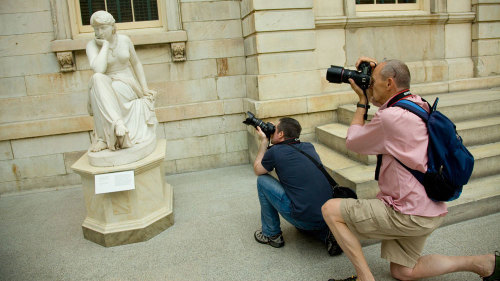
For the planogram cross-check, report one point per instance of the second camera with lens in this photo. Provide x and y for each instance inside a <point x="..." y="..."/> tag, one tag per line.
<point x="362" y="76"/>
<point x="268" y="128"/>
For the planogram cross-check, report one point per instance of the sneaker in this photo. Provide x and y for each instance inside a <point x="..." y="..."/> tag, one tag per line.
<point x="332" y="246"/>
<point x="275" y="241"/>
<point x="495" y="276"/>
<point x="352" y="278"/>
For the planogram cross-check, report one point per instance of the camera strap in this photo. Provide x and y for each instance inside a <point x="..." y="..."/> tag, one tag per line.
<point x="367" y="105"/>
<point x="332" y="182"/>
<point x="287" y="141"/>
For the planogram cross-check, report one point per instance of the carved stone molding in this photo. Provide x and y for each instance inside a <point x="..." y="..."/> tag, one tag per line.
<point x="178" y="51"/>
<point x="66" y="61"/>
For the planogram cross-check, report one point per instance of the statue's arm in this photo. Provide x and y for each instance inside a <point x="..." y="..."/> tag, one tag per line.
<point x="98" y="58"/>
<point x="137" y="66"/>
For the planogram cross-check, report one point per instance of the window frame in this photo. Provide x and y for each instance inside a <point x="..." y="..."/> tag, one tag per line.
<point x="79" y="29"/>
<point x="419" y="6"/>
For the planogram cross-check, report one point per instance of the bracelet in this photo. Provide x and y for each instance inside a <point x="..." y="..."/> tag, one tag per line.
<point x="367" y="106"/>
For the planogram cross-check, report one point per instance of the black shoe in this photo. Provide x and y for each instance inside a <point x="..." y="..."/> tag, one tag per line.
<point x="332" y="246"/>
<point x="352" y="278"/>
<point x="275" y="241"/>
<point x="495" y="276"/>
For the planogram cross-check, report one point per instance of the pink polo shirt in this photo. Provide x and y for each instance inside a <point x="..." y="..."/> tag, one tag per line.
<point x="396" y="131"/>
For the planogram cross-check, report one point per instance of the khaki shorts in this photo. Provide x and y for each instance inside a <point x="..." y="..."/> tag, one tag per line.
<point x="403" y="236"/>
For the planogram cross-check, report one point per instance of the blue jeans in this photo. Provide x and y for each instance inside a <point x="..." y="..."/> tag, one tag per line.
<point x="273" y="202"/>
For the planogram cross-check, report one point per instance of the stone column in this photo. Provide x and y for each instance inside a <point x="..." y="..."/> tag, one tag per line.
<point x="130" y="216"/>
<point x="486" y="37"/>
<point x="458" y="40"/>
<point x="279" y="39"/>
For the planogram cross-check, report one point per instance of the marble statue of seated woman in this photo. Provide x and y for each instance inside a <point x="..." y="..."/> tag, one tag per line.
<point x="120" y="100"/>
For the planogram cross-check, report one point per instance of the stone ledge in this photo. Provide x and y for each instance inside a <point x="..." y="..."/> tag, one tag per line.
<point x="298" y="105"/>
<point x="82" y="123"/>
<point x="381" y="20"/>
<point x="64" y="48"/>
<point x="332" y="101"/>
<point x="137" y="37"/>
<point x="46" y="127"/>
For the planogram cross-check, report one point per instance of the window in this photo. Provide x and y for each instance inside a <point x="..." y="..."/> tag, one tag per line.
<point x="128" y="14"/>
<point x="388" y="5"/>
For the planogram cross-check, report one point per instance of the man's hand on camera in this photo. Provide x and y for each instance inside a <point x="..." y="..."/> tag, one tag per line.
<point x="372" y="61"/>
<point x="262" y="136"/>
<point x="359" y="91"/>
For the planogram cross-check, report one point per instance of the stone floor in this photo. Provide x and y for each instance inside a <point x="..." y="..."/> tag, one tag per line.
<point x="216" y="213"/>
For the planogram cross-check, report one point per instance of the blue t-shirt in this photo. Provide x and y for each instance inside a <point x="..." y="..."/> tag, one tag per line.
<point x="305" y="185"/>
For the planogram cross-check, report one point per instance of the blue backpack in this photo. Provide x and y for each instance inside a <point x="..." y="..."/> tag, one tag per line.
<point x="450" y="164"/>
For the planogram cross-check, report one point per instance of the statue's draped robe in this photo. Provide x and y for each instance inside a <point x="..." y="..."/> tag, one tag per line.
<point x="117" y="95"/>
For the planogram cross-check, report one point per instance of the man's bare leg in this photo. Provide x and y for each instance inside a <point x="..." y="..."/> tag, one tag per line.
<point x="346" y="239"/>
<point x="434" y="265"/>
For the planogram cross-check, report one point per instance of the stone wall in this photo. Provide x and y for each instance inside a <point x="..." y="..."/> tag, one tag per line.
<point x="486" y="37"/>
<point x="44" y="124"/>
<point x="268" y="57"/>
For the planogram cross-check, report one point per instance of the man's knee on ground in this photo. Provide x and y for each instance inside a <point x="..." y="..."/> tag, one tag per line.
<point x="401" y="272"/>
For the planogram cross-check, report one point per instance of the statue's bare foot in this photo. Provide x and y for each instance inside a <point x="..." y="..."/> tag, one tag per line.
<point x="98" y="146"/>
<point x="120" y="129"/>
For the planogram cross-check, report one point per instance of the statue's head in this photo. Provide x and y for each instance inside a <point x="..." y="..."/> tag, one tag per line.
<point x="102" y="18"/>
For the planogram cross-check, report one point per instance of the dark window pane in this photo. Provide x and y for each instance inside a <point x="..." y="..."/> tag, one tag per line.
<point x="120" y="9"/>
<point x="386" y="1"/>
<point x="88" y="7"/>
<point x="364" y="2"/>
<point x="407" y="1"/>
<point x="145" y="10"/>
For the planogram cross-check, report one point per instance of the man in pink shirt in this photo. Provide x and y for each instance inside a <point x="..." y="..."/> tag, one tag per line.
<point x="402" y="216"/>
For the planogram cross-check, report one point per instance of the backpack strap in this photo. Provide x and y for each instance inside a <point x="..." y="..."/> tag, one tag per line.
<point x="414" y="108"/>
<point x="401" y="101"/>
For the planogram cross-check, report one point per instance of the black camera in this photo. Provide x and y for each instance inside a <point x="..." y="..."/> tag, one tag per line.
<point x="362" y="77"/>
<point x="268" y="128"/>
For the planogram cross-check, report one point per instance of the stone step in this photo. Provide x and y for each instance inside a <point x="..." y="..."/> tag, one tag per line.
<point x="479" y="131"/>
<point x="474" y="132"/>
<point x="360" y="177"/>
<point x="480" y="197"/>
<point x="486" y="159"/>
<point x="346" y="171"/>
<point x="333" y="160"/>
<point x="334" y="136"/>
<point x="458" y="106"/>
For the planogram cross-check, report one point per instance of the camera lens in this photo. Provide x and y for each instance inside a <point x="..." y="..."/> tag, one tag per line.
<point x="267" y="128"/>
<point x="334" y="74"/>
<point x="338" y="74"/>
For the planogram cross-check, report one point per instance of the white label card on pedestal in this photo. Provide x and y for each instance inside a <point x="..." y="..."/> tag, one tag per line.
<point x="113" y="182"/>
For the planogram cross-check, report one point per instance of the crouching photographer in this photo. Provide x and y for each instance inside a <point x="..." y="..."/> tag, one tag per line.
<point x="301" y="189"/>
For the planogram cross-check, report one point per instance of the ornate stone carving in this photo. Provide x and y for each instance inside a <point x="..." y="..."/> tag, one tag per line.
<point x="66" y="61"/>
<point x="178" y="51"/>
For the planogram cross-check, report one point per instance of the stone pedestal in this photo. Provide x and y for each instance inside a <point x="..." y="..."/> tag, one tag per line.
<point x="131" y="216"/>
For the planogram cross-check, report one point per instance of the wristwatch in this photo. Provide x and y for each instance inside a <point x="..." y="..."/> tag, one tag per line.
<point x="367" y="106"/>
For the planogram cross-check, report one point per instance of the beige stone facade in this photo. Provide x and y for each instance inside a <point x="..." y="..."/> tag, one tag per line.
<point x="211" y="61"/>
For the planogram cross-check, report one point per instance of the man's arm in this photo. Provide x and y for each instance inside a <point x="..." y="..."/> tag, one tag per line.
<point x="358" y="118"/>
<point x="359" y="115"/>
<point x="257" y="164"/>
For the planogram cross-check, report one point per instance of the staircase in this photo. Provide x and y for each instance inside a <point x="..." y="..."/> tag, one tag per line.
<point x="476" y="114"/>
